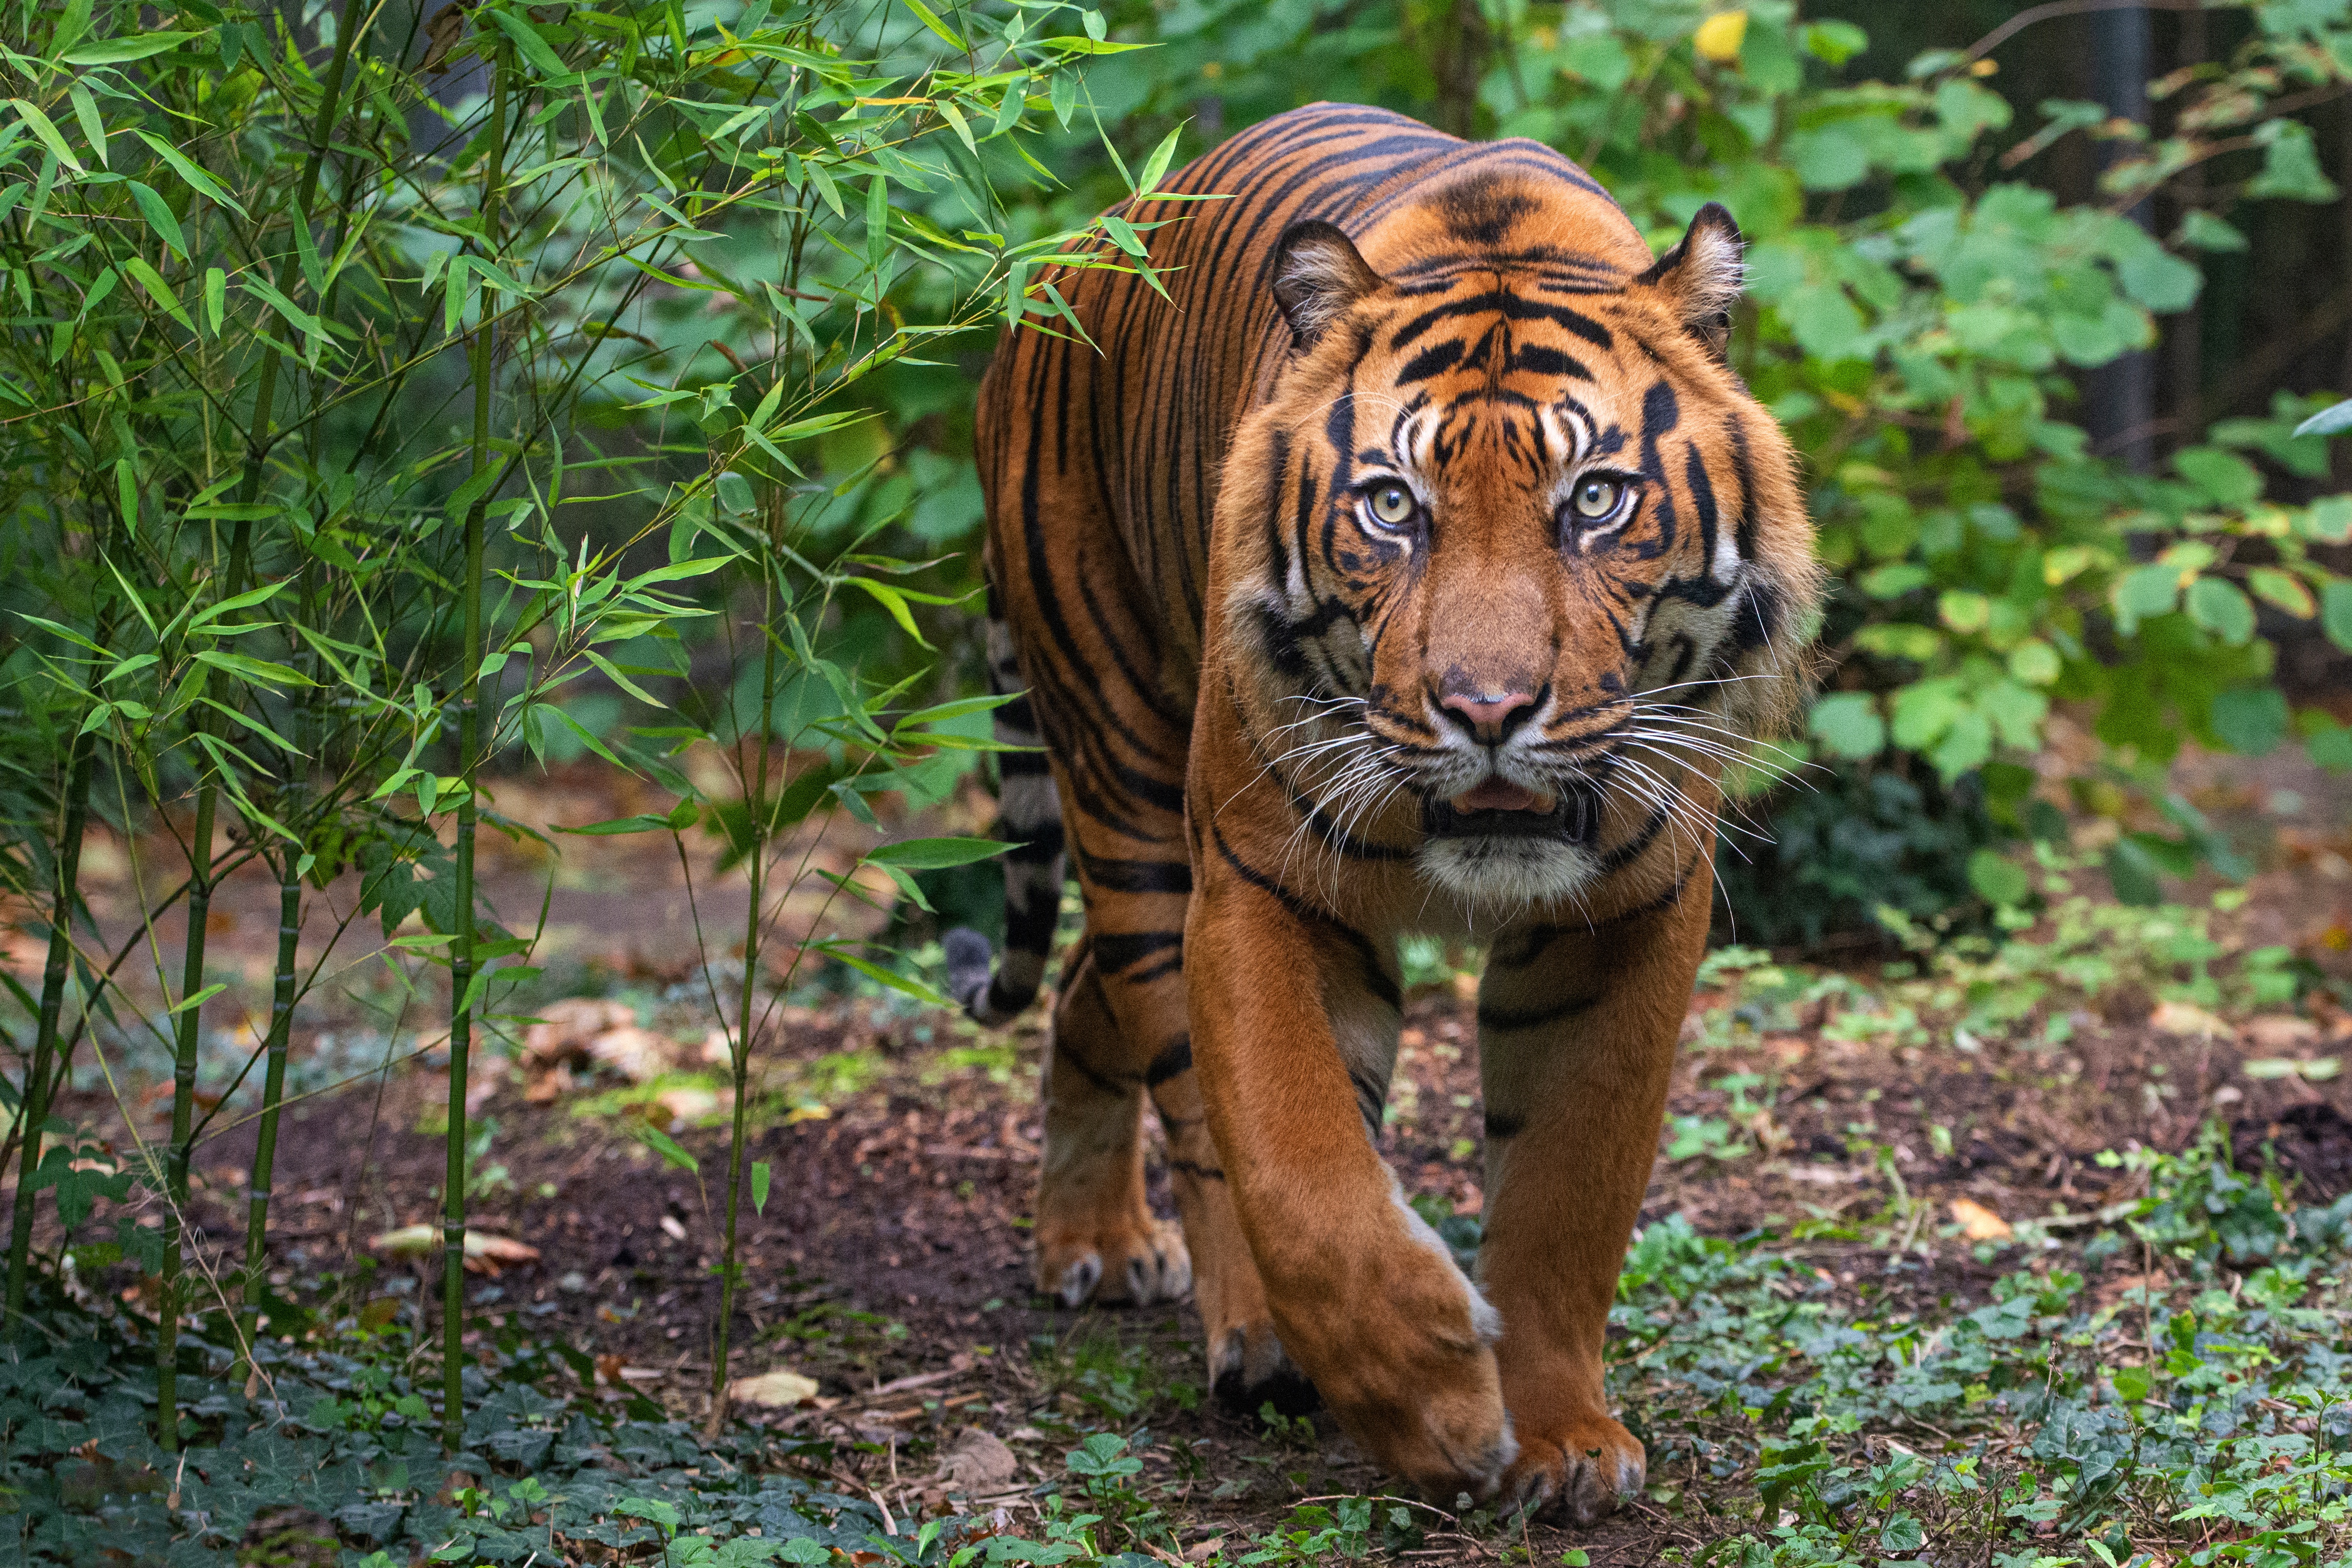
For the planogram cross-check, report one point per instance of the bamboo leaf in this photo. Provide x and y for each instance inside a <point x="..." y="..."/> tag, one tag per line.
<point x="662" y="1143"/>
<point x="930" y="19"/>
<point x="936" y="853"/>
<point x="526" y="38"/>
<point x="203" y="184"/>
<point x="42" y="127"/>
<point x="115" y="51"/>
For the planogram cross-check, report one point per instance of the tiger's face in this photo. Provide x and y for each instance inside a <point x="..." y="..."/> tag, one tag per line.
<point x="1533" y="558"/>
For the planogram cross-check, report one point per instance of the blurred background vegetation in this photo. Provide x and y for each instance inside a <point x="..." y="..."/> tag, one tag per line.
<point x="2041" y="293"/>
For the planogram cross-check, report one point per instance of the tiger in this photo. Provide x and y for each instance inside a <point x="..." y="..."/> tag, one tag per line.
<point x="1414" y="564"/>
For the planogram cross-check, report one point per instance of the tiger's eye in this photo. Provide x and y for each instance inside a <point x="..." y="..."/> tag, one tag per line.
<point x="1393" y="506"/>
<point x="1597" y="498"/>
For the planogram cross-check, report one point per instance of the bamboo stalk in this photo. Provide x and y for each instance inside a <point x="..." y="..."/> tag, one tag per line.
<point x="760" y="819"/>
<point x="33" y="1105"/>
<point x="258" y="438"/>
<point x="184" y="1105"/>
<point x="469" y="766"/>
<point x="273" y="1092"/>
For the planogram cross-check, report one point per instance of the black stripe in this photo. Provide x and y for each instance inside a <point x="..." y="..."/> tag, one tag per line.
<point x="1503" y="1124"/>
<point x="1376" y="978"/>
<point x="1134" y="875"/>
<point x="1173" y="1061"/>
<point x="1118" y="951"/>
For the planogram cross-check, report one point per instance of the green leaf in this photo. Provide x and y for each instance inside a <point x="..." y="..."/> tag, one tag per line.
<point x="662" y="1143"/>
<point x="936" y="853"/>
<point x="203" y="184"/>
<point x="114" y="51"/>
<point x="1848" y="724"/>
<point x="526" y="38"/>
<point x="2217" y="604"/>
<point x="643" y="822"/>
<point x="2335" y="613"/>
<point x="2250" y="720"/>
<point x="905" y="983"/>
<point x="2133" y="874"/>
<point x="2145" y="592"/>
<point x="2229" y="480"/>
<point x="159" y="217"/>
<point x="46" y="129"/>
<point x="930" y="19"/>
<point x="1156" y="164"/>
<point x="760" y="1186"/>
<point x="2000" y="881"/>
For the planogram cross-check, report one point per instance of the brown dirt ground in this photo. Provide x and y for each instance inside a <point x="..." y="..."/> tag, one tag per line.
<point x="891" y="1260"/>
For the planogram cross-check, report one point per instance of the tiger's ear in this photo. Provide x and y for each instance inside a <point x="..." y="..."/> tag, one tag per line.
<point x="1702" y="277"/>
<point x="1317" y="273"/>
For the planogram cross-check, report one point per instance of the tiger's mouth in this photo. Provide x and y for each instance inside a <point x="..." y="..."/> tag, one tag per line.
<point x="1500" y="809"/>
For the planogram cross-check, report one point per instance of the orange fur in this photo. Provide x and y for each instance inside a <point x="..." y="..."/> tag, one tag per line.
<point x="1416" y="570"/>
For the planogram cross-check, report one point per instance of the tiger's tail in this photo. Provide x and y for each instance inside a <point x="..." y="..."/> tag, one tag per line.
<point x="1029" y="816"/>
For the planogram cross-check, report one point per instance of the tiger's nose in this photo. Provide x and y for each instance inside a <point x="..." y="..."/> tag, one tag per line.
<point x="1489" y="717"/>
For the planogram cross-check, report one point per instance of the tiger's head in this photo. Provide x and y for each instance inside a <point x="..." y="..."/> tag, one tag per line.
<point x="1524" y="555"/>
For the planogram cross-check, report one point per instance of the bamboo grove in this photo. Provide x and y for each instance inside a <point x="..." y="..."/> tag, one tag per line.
<point x="336" y="441"/>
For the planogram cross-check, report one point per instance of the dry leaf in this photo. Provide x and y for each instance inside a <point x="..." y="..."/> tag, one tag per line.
<point x="483" y="1252"/>
<point x="978" y="1461"/>
<point x="1979" y="1223"/>
<point x="637" y="1054"/>
<point x="778" y="1390"/>
<point x="2187" y="1020"/>
<point x="688" y="1103"/>
<point x="441" y="36"/>
<point x="2280" y="1031"/>
<point x="564" y="1029"/>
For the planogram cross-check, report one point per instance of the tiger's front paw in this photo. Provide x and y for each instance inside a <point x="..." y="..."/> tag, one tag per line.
<point x="1581" y="1472"/>
<point x="1403" y="1361"/>
<point x="1127" y="1258"/>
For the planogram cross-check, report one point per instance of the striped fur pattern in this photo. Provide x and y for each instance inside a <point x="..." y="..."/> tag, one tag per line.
<point x="1416" y="570"/>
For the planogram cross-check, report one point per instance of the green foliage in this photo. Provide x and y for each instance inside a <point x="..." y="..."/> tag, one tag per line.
<point x="1918" y="306"/>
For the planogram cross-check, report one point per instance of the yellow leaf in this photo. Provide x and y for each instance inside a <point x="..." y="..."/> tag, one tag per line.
<point x="2187" y="1019"/>
<point x="1720" y="37"/>
<point x="780" y="1389"/>
<point x="1979" y="1223"/>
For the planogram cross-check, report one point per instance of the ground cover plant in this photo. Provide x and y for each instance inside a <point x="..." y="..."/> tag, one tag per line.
<point x="555" y="421"/>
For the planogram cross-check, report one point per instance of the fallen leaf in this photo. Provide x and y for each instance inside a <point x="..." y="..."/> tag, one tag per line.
<point x="564" y="1028"/>
<point x="1979" y="1223"/>
<point x="688" y="1103"/>
<point x="2280" y="1031"/>
<point x="483" y="1252"/>
<point x="2187" y="1020"/>
<point x="778" y="1390"/>
<point x="978" y="1461"/>
<point x="636" y="1054"/>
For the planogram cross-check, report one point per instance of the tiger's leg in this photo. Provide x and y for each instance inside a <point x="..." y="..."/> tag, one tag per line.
<point x="1124" y="1031"/>
<point x="1289" y="1011"/>
<point x="1576" y="1041"/>
<point x="1096" y="1234"/>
